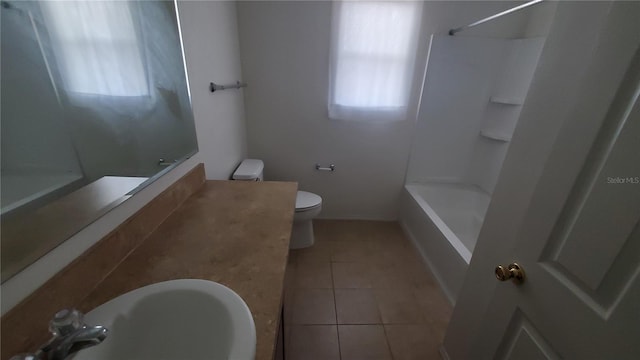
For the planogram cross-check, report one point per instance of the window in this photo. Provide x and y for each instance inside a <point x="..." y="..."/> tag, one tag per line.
<point x="96" y="47"/>
<point x="372" y="59"/>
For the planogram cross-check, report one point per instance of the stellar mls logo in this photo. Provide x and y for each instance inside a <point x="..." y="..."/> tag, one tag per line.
<point x="623" y="180"/>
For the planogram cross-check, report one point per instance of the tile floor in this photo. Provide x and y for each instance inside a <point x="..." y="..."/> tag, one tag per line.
<point x="362" y="293"/>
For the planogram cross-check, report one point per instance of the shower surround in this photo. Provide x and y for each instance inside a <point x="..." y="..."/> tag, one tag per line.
<point x="473" y="92"/>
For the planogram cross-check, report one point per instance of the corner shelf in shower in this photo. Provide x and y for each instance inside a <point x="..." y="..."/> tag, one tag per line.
<point x="500" y="118"/>
<point x="506" y="100"/>
<point x="495" y="136"/>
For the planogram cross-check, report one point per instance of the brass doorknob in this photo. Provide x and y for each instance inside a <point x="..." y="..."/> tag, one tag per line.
<point x="513" y="271"/>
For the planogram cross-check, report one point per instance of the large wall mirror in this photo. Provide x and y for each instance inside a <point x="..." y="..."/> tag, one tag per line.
<point x="94" y="106"/>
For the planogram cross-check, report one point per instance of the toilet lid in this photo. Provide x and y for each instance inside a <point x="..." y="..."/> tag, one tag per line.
<point x="305" y="200"/>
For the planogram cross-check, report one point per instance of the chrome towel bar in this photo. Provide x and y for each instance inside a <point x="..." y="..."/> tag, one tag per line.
<point x="330" y="168"/>
<point x="213" y="86"/>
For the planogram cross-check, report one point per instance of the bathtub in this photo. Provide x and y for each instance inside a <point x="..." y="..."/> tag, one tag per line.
<point x="443" y="221"/>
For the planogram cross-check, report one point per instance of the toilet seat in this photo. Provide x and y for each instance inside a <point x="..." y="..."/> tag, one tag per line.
<point x="306" y="201"/>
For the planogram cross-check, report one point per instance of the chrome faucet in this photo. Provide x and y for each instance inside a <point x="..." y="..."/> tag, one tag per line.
<point x="70" y="335"/>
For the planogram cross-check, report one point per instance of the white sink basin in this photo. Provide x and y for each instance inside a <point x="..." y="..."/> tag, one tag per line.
<point x="177" y="320"/>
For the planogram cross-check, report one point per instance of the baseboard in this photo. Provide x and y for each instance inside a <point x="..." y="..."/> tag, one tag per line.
<point x="443" y="352"/>
<point x="356" y="217"/>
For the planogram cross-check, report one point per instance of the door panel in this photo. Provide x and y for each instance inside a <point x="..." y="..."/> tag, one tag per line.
<point x="523" y="341"/>
<point x="602" y="205"/>
<point x="593" y="248"/>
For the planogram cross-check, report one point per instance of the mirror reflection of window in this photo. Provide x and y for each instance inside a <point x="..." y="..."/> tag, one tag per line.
<point x="96" y="47"/>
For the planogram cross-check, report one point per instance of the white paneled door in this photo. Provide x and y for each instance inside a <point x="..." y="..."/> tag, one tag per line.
<point x="577" y="236"/>
<point x="581" y="294"/>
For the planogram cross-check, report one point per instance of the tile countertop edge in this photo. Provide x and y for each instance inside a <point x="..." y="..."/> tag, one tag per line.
<point x="233" y="232"/>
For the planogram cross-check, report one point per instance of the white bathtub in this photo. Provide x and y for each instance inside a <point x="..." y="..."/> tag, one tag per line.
<point x="443" y="221"/>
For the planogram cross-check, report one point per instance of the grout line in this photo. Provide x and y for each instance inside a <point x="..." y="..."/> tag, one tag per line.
<point x="408" y="276"/>
<point x="335" y="307"/>
<point x="386" y="338"/>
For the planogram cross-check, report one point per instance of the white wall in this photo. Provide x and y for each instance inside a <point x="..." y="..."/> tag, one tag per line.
<point x="211" y="49"/>
<point x="461" y="134"/>
<point x="458" y="84"/>
<point x="512" y="83"/>
<point x="210" y="33"/>
<point x="285" y="52"/>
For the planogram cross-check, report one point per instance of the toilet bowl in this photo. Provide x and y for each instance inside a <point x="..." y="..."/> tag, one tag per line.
<point x="308" y="205"/>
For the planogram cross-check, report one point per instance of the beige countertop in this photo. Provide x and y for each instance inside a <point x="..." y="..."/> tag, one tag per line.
<point x="233" y="232"/>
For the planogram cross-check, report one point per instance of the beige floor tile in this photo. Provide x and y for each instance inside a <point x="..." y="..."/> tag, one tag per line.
<point x="363" y="342"/>
<point x="287" y="336"/>
<point x="336" y="230"/>
<point x="313" y="307"/>
<point x="356" y="230"/>
<point x="312" y="342"/>
<point x="385" y="231"/>
<point x="320" y="252"/>
<point x="325" y="229"/>
<point x="322" y="229"/>
<point x="287" y="305"/>
<point x="350" y="251"/>
<point x="313" y="276"/>
<point x="287" y="332"/>
<point x="412" y="342"/>
<point x="291" y="259"/>
<point x="420" y="273"/>
<point x="352" y="230"/>
<point x="378" y="277"/>
<point x="391" y="276"/>
<point x="356" y="306"/>
<point x="399" y="306"/>
<point x="435" y="308"/>
<point x="289" y="290"/>
<point x="351" y="275"/>
<point x="290" y="276"/>
<point x="348" y="226"/>
<point x="392" y="252"/>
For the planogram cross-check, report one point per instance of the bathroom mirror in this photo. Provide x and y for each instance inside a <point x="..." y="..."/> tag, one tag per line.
<point x="95" y="106"/>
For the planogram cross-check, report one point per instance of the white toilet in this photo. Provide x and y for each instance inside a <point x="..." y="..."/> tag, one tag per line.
<point x="308" y="205"/>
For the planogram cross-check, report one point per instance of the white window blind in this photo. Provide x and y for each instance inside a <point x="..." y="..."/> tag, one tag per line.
<point x="372" y="59"/>
<point x="96" y="47"/>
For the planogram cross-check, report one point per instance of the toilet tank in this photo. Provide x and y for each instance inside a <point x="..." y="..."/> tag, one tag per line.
<point x="249" y="170"/>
